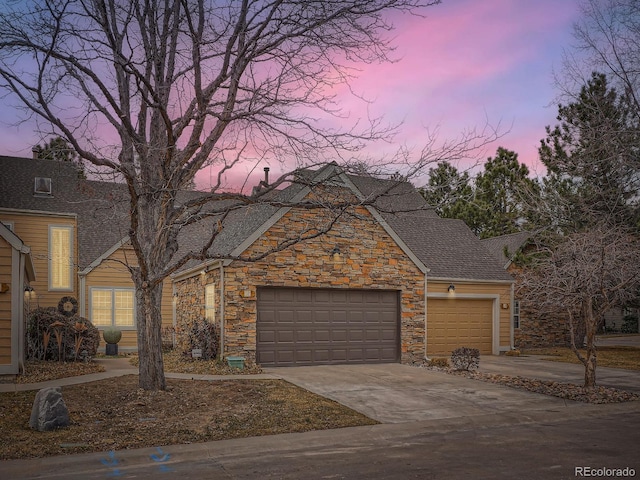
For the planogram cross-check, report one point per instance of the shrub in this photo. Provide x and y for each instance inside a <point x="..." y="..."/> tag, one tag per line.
<point x="629" y="324"/>
<point x="465" y="358"/>
<point x="53" y="336"/>
<point x="203" y="335"/>
<point x="439" y="362"/>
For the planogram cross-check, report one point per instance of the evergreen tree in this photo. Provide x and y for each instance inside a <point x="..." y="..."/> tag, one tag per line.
<point x="592" y="158"/>
<point x="499" y="191"/>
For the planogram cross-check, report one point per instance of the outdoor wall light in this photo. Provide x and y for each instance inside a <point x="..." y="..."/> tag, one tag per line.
<point x="452" y="288"/>
<point x="336" y="253"/>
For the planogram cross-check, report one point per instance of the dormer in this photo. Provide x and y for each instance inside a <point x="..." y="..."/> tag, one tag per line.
<point x="42" y="187"/>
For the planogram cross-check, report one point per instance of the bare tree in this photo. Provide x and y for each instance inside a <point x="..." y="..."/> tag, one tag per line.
<point x="608" y="41"/>
<point x="155" y="91"/>
<point x="581" y="278"/>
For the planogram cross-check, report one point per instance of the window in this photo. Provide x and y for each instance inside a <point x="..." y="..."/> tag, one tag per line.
<point x="516" y="314"/>
<point x="42" y="186"/>
<point x="210" y="302"/>
<point x="112" y="307"/>
<point x="60" y="257"/>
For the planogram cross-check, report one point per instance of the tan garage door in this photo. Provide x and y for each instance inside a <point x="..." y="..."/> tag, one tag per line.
<point x="301" y="326"/>
<point x="456" y="322"/>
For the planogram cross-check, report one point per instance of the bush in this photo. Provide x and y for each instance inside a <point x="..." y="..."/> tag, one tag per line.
<point x="202" y="335"/>
<point x="53" y="336"/>
<point x="439" y="362"/>
<point x="465" y="358"/>
<point x="629" y="324"/>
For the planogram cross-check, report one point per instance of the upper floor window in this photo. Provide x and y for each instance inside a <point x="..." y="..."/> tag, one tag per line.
<point x="210" y="302"/>
<point x="42" y="186"/>
<point x="60" y="257"/>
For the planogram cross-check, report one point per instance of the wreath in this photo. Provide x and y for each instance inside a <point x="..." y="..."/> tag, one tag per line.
<point x="68" y="306"/>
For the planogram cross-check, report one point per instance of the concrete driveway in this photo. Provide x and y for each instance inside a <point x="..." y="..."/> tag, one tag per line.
<point x="394" y="393"/>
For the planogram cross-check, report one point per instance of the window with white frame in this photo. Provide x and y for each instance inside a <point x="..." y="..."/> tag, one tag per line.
<point x="210" y="302"/>
<point x="112" y="307"/>
<point x="61" y="257"/>
<point x="516" y="314"/>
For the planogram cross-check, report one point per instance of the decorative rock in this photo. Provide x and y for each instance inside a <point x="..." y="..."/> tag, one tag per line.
<point x="49" y="410"/>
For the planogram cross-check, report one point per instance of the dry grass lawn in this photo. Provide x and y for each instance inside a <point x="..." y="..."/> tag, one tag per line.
<point x="616" y="357"/>
<point x="115" y="414"/>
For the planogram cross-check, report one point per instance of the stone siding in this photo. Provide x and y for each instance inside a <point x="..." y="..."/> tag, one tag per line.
<point x="369" y="259"/>
<point x="538" y="331"/>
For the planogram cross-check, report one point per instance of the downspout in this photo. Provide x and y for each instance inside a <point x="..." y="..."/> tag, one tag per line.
<point x="425" y="316"/>
<point x="221" y="310"/>
<point x="20" y="304"/>
<point x="81" y="295"/>
<point x="174" y="312"/>
<point x="511" y="329"/>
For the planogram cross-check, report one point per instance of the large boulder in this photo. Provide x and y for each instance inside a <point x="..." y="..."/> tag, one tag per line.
<point x="49" y="410"/>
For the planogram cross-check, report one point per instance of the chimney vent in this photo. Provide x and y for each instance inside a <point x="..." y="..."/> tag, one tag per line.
<point x="266" y="176"/>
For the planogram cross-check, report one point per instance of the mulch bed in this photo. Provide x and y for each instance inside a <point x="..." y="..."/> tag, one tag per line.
<point x="568" y="391"/>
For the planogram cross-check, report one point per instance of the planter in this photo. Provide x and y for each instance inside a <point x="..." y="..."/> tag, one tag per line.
<point x="111" y="349"/>
<point x="236" y="362"/>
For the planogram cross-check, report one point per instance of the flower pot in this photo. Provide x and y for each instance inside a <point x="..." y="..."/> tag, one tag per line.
<point x="111" y="349"/>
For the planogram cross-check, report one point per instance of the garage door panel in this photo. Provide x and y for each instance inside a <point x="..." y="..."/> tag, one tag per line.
<point x="325" y="326"/>
<point x="456" y="322"/>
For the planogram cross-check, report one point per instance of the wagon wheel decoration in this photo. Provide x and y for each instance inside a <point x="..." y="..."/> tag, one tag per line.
<point x="68" y="306"/>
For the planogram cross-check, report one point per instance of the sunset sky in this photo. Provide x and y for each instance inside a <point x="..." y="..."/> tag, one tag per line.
<point x="466" y="62"/>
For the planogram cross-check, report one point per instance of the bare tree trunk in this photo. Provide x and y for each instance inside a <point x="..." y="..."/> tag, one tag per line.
<point x="590" y="361"/>
<point x="149" y="318"/>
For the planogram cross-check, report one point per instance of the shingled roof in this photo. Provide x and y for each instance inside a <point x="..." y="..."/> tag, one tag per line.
<point x="447" y="247"/>
<point x="101" y="207"/>
<point x="505" y="247"/>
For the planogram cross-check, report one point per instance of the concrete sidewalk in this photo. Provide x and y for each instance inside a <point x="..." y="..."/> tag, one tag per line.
<point x="116" y="367"/>
<point x="534" y="366"/>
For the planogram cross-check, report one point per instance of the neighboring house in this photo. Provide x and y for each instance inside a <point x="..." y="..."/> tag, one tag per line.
<point x="391" y="282"/>
<point x="76" y="230"/>
<point x="16" y="275"/>
<point x="531" y="330"/>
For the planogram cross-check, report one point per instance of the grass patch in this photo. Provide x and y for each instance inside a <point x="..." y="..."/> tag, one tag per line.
<point x="608" y="356"/>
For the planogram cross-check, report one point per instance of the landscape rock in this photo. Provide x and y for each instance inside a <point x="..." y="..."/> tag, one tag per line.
<point x="49" y="410"/>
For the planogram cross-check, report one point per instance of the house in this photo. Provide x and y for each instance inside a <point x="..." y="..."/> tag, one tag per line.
<point x="76" y="230"/>
<point x="390" y="282"/>
<point x="529" y="330"/>
<point x="532" y="330"/>
<point x="16" y="275"/>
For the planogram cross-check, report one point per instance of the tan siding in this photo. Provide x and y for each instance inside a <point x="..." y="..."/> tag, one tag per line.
<point x="34" y="232"/>
<point x="112" y="273"/>
<point x="503" y="290"/>
<point x="5" y="303"/>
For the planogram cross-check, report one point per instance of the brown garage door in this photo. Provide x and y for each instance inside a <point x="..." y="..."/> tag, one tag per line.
<point x="455" y="322"/>
<point x="298" y="326"/>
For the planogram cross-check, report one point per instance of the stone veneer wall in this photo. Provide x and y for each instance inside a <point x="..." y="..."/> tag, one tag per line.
<point x="369" y="259"/>
<point x="537" y="331"/>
